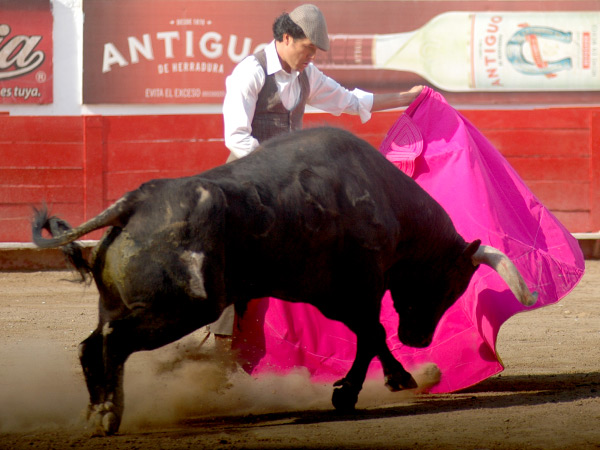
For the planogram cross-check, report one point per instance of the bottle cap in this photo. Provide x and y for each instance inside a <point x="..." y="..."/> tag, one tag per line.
<point x="311" y="20"/>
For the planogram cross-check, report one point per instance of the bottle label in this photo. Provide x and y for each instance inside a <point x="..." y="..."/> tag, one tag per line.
<point x="535" y="51"/>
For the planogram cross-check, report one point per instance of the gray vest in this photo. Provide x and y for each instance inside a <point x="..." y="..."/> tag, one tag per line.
<point x="271" y="118"/>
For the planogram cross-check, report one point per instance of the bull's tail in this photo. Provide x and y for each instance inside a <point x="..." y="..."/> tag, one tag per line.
<point x="63" y="234"/>
<point x="57" y="227"/>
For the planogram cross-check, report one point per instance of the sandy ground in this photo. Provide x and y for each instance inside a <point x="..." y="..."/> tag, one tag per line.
<point x="179" y="397"/>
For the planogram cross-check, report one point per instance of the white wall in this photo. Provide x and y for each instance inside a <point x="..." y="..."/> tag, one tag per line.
<point x="68" y="68"/>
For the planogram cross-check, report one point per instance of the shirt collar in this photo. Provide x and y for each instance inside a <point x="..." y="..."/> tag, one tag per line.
<point x="273" y="62"/>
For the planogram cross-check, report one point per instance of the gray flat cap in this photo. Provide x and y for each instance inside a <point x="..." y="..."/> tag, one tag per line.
<point x="311" y="20"/>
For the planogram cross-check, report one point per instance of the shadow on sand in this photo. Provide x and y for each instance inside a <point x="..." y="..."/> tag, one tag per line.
<point x="497" y="392"/>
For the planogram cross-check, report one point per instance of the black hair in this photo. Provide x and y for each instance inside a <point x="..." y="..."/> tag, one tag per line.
<point x="285" y="25"/>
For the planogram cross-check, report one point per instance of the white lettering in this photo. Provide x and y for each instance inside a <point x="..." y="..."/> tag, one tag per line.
<point x="211" y="45"/>
<point x="189" y="44"/>
<point x="231" y="48"/>
<point x="112" y="56"/>
<point x="195" y="66"/>
<point x="188" y="92"/>
<point x="213" y="50"/>
<point x="154" y="93"/>
<point x="135" y="47"/>
<point x="168" y="37"/>
<point x="26" y="92"/>
<point x="18" y="54"/>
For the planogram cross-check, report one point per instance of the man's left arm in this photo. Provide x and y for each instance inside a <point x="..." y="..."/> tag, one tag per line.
<point x="328" y="95"/>
<point x="393" y="100"/>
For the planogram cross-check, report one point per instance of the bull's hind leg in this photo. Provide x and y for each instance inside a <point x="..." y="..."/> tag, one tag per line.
<point x="91" y="358"/>
<point x="143" y="329"/>
<point x="106" y="404"/>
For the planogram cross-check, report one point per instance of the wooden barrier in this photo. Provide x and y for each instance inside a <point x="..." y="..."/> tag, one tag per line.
<point x="80" y="165"/>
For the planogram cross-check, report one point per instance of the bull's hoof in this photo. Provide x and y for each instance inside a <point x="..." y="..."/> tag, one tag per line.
<point x="110" y="423"/>
<point x="399" y="381"/>
<point x="104" y="419"/>
<point x="344" y="396"/>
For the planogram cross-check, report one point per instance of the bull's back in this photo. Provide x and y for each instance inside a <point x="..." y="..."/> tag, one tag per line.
<point x="341" y="172"/>
<point x="332" y="196"/>
<point x="322" y="161"/>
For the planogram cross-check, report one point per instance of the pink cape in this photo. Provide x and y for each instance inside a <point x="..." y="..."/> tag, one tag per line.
<point x="486" y="200"/>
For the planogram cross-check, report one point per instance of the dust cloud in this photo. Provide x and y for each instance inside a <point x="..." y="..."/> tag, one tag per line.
<point x="186" y="380"/>
<point x="42" y="387"/>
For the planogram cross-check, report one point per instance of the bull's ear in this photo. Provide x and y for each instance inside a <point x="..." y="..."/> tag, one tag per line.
<point x="471" y="249"/>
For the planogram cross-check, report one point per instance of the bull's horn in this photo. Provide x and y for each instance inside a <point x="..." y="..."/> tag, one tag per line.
<point x="498" y="261"/>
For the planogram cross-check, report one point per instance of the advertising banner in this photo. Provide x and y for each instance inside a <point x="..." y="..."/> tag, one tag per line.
<point x="475" y="52"/>
<point x="25" y="51"/>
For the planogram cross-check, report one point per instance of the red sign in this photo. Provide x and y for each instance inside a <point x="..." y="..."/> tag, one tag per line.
<point x="149" y="51"/>
<point x="181" y="51"/>
<point x="25" y="51"/>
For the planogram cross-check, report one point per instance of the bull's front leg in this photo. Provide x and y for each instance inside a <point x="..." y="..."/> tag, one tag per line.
<point x="369" y="337"/>
<point x="345" y="394"/>
<point x="396" y="377"/>
<point x="369" y="344"/>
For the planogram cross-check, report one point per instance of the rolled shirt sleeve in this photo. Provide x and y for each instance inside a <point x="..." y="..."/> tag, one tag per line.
<point x="365" y="104"/>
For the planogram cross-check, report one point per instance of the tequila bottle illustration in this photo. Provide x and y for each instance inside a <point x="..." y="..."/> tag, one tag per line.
<point x="484" y="51"/>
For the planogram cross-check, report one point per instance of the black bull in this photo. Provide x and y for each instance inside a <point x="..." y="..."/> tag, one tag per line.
<point x="317" y="216"/>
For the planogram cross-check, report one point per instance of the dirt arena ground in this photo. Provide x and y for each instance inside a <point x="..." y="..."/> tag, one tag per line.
<point x="179" y="398"/>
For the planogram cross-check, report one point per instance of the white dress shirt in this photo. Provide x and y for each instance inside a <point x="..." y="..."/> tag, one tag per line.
<point x="247" y="80"/>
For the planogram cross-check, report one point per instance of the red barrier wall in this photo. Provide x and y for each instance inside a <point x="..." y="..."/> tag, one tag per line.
<point x="80" y="165"/>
